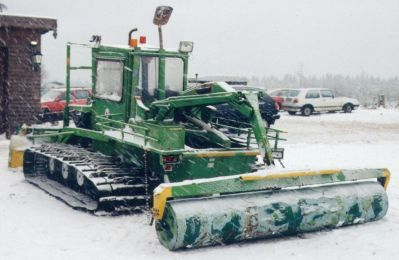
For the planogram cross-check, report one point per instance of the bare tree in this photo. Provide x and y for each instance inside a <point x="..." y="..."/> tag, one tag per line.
<point x="3" y="7"/>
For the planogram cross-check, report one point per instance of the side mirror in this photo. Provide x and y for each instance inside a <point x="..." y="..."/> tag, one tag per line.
<point x="162" y="14"/>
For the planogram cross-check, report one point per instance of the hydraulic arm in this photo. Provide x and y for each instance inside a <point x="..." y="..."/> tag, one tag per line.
<point x="216" y="93"/>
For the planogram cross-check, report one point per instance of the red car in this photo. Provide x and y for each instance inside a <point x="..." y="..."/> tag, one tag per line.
<point x="53" y="101"/>
<point x="279" y="96"/>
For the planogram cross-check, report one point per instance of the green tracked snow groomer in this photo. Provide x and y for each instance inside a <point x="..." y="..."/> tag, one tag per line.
<point x="148" y="140"/>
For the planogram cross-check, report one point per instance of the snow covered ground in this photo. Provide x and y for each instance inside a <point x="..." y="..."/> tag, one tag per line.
<point x="34" y="225"/>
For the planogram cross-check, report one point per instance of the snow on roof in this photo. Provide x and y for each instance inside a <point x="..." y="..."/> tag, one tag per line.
<point x="146" y="47"/>
<point x="28" y="22"/>
<point x="28" y="16"/>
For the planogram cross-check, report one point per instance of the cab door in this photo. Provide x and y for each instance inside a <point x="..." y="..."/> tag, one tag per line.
<point x="111" y="85"/>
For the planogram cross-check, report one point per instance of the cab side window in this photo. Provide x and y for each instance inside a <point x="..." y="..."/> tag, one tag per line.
<point x="148" y="79"/>
<point x="109" y="79"/>
<point x="174" y="69"/>
<point x="313" y="94"/>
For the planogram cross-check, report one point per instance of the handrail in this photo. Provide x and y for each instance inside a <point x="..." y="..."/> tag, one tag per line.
<point x="129" y="133"/>
<point x="271" y="133"/>
<point x="103" y="125"/>
<point x="122" y="123"/>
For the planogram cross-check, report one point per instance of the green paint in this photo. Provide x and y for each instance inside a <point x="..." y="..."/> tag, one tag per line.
<point x="295" y="218"/>
<point x="377" y="206"/>
<point x="353" y="213"/>
<point x="192" y="230"/>
<point x="68" y="86"/>
<point x="231" y="230"/>
<point x="341" y="177"/>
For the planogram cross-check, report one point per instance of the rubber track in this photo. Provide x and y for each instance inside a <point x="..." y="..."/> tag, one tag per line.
<point x="116" y="187"/>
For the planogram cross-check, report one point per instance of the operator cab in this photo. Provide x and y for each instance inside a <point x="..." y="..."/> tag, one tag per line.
<point x="123" y="73"/>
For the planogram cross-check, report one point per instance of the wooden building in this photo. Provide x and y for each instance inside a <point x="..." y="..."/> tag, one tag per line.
<point x="20" y="59"/>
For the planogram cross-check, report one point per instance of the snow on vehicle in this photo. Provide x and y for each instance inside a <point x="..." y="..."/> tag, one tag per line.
<point x="149" y="141"/>
<point x="309" y="100"/>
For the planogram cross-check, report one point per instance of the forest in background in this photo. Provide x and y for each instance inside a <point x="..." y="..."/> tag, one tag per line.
<point x="366" y="88"/>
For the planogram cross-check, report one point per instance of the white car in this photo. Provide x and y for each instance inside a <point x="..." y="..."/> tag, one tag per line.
<point x="309" y="100"/>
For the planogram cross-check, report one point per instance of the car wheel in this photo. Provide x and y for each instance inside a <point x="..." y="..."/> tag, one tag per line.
<point x="348" y="108"/>
<point x="307" y="110"/>
<point x="291" y="113"/>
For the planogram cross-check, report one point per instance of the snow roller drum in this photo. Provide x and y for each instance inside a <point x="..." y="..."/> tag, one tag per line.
<point x="275" y="209"/>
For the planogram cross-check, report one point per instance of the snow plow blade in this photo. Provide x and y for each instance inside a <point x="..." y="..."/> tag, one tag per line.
<point x="232" y="209"/>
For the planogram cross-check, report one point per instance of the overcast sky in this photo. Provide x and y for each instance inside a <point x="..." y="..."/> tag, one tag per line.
<point x="240" y="38"/>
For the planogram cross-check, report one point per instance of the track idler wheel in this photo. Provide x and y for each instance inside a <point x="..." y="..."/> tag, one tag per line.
<point x="65" y="172"/>
<point x="80" y="179"/>
<point x="51" y="168"/>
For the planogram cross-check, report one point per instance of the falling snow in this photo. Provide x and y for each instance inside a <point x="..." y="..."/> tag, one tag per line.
<point x="35" y="225"/>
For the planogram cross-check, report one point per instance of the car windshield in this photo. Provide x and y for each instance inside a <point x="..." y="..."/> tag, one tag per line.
<point x="293" y="93"/>
<point x="51" y="95"/>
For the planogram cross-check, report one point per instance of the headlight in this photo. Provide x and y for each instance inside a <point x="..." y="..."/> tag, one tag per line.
<point x="186" y="46"/>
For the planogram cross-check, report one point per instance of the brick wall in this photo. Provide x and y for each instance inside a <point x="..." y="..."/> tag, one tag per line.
<point x="3" y="78"/>
<point x="22" y="83"/>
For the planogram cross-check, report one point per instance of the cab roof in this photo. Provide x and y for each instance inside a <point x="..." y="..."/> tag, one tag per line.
<point x="144" y="47"/>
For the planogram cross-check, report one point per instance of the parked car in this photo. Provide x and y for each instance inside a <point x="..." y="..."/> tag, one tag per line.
<point x="267" y="107"/>
<point x="279" y="96"/>
<point x="53" y="101"/>
<point x="309" y="100"/>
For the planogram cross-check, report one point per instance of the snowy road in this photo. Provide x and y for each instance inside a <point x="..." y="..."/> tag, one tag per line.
<point x="34" y="225"/>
